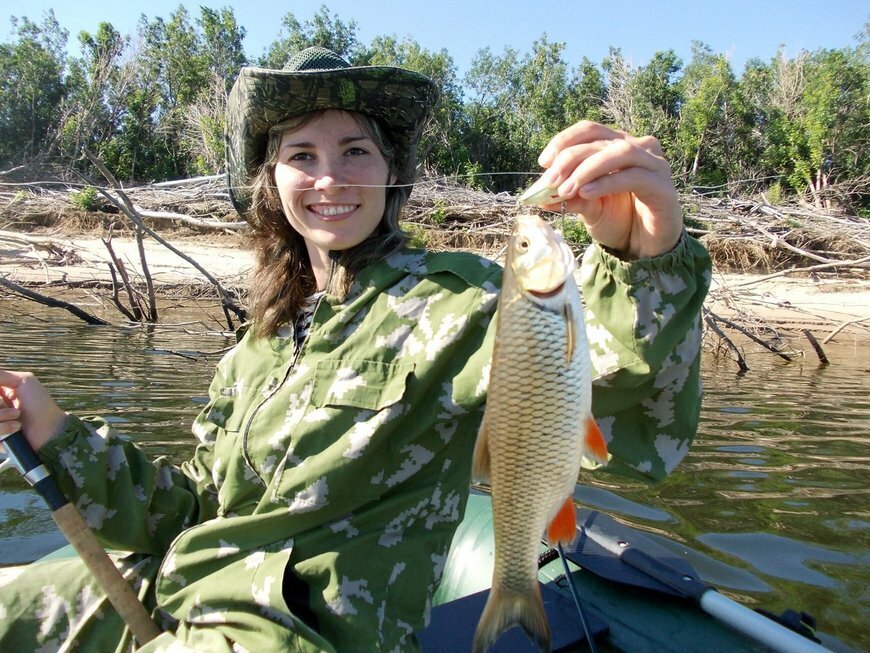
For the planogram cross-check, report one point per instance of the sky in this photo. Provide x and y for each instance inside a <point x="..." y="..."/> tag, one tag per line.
<point x="740" y="29"/>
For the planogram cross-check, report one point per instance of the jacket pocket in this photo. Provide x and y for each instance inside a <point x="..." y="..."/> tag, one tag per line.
<point x="367" y="384"/>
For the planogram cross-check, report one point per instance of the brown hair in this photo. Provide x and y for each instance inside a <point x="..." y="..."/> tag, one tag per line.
<point x="283" y="277"/>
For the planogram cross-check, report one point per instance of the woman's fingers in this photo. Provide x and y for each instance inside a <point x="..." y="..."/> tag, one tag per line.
<point x="581" y="132"/>
<point x="579" y="165"/>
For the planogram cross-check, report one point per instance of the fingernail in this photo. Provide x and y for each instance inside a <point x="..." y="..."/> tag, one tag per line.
<point x="590" y="188"/>
<point x="546" y="156"/>
<point x="567" y="189"/>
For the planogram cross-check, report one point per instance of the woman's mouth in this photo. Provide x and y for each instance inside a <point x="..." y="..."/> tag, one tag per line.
<point x="332" y="211"/>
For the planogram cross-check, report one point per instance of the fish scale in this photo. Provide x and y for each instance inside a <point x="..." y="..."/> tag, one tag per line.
<point x="533" y="434"/>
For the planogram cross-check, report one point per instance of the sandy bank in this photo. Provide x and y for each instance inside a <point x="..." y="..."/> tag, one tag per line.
<point x="789" y="302"/>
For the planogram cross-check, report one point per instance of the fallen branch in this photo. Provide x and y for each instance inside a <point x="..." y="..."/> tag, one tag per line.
<point x="754" y="338"/>
<point x="198" y="222"/>
<point x="135" y="312"/>
<point x="741" y="362"/>
<point x="51" y="301"/>
<point x="815" y="343"/>
<point x="856" y="263"/>
<point x="123" y="203"/>
<point x="842" y="326"/>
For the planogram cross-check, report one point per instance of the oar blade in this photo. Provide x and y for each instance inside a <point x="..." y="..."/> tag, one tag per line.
<point x="601" y="543"/>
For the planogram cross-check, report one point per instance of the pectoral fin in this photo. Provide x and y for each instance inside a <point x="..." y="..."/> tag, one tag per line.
<point x="595" y="447"/>
<point x="480" y="461"/>
<point x="563" y="528"/>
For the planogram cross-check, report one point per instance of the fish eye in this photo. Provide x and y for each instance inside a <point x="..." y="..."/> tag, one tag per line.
<point x="523" y="244"/>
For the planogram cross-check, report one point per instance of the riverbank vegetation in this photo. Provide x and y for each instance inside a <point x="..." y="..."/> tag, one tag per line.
<point x="150" y="106"/>
<point x="773" y="163"/>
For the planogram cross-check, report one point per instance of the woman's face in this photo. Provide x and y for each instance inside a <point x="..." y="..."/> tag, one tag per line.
<point x="331" y="179"/>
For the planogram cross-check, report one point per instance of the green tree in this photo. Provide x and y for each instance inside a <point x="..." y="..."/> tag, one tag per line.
<point x="32" y="88"/>
<point x="98" y="83"/>
<point x="656" y="98"/>
<point x="517" y="104"/>
<point x="828" y="138"/>
<point x="708" y="87"/>
<point x="323" y="29"/>
<point x="442" y="148"/>
<point x="587" y="91"/>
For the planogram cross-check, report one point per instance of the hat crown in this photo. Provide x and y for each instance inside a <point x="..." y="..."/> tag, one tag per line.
<point x="313" y="59"/>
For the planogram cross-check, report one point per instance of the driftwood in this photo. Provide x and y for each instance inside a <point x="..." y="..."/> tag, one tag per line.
<point x="744" y="235"/>
<point x="122" y="201"/>
<point x="39" y="298"/>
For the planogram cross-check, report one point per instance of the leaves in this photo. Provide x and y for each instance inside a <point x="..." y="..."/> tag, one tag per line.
<point x="152" y="104"/>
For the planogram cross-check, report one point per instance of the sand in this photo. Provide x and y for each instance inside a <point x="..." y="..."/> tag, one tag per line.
<point x="789" y="301"/>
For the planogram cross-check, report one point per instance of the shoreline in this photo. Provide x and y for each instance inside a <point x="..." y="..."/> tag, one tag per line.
<point x="788" y="302"/>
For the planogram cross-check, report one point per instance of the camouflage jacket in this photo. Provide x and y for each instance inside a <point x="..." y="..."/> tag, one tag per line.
<point x="347" y="463"/>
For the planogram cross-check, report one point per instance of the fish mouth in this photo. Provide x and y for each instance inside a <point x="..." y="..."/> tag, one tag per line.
<point x="546" y="294"/>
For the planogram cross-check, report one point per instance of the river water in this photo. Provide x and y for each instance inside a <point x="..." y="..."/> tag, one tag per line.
<point x="771" y="503"/>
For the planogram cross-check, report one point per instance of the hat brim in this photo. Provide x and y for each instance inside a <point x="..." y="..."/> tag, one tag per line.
<point x="262" y="98"/>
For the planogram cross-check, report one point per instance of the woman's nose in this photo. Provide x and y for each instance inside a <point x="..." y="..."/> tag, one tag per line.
<point x="328" y="175"/>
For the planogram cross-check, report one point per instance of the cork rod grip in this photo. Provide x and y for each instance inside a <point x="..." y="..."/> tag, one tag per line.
<point x="117" y="589"/>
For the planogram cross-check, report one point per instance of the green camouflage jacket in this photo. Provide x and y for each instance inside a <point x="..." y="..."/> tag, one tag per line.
<point x="348" y="462"/>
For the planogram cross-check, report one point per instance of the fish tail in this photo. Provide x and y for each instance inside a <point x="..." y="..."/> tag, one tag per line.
<point x="563" y="528"/>
<point x="505" y="609"/>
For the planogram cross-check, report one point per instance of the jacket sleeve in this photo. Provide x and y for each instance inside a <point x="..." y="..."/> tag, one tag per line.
<point x="132" y="503"/>
<point x="643" y="319"/>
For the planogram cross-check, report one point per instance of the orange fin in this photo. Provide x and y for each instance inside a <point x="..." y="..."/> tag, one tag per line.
<point x="563" y="528"/>
<point x="594" y="444"/>
<point x="480" y="461"/>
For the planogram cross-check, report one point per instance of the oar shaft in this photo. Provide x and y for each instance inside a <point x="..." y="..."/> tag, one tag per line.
<point x="79" y="534"/>
<point x="756" y="625"/>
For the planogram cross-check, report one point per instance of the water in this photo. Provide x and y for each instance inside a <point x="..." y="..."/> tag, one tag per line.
<point x="772" y="501"/>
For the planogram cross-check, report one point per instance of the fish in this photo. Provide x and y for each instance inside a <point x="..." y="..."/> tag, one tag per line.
<point x="537" y="424"/>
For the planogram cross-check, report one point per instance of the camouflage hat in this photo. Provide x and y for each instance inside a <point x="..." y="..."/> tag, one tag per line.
<point x="317" y="78"/>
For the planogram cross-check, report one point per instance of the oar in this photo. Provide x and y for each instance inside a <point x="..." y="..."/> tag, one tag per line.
<point x="615" y="552"/>
<point x="74" y="528"/>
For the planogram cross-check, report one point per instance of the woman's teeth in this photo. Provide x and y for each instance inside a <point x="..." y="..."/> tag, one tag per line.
<point x="330" y="211"/>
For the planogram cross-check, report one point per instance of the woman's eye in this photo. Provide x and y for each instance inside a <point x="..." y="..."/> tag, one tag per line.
<point x="300" y="156"/>
<point x="357" y="151"/>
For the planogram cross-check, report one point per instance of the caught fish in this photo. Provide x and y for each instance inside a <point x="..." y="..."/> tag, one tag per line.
<point x="537" y="426"/>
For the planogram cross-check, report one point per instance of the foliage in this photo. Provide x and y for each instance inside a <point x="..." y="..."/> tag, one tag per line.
<point x="86" y="199"/>
<point x="32" y="87"/>
<point x="151" y="105"/>
<point x="574" y="232"/>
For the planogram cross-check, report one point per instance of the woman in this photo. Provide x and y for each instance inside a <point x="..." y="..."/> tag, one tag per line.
<point x="335" y="451"/>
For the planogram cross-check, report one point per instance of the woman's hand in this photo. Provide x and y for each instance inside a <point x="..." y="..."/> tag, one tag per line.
<point x="620" y="186"/>
<point x="26" y="405"/>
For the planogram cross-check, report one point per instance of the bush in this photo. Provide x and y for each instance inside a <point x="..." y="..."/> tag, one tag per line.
<point x="85" y="199"/>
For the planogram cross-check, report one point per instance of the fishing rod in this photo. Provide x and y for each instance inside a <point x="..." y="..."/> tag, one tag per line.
<point x="70" y="522"/>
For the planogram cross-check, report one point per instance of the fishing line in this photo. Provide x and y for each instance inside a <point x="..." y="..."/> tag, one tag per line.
<point x="570" y="578"/>
<point x="420" y="182"/>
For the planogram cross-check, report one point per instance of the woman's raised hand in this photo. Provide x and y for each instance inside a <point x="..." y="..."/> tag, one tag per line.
<point x="620" y="185"/>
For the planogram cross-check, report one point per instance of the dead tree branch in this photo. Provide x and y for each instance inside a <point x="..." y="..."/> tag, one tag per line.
<point x="123" y="203"/>
<point x="51" y="301"/>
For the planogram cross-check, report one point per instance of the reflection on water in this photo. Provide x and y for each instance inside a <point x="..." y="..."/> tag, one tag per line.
<point x="772" y="500"/>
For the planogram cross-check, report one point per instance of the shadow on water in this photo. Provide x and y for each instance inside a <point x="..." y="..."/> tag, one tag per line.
<point x="771" y="504"/>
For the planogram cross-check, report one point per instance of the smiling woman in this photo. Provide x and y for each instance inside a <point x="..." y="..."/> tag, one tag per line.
<point x="334" y="452"/>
